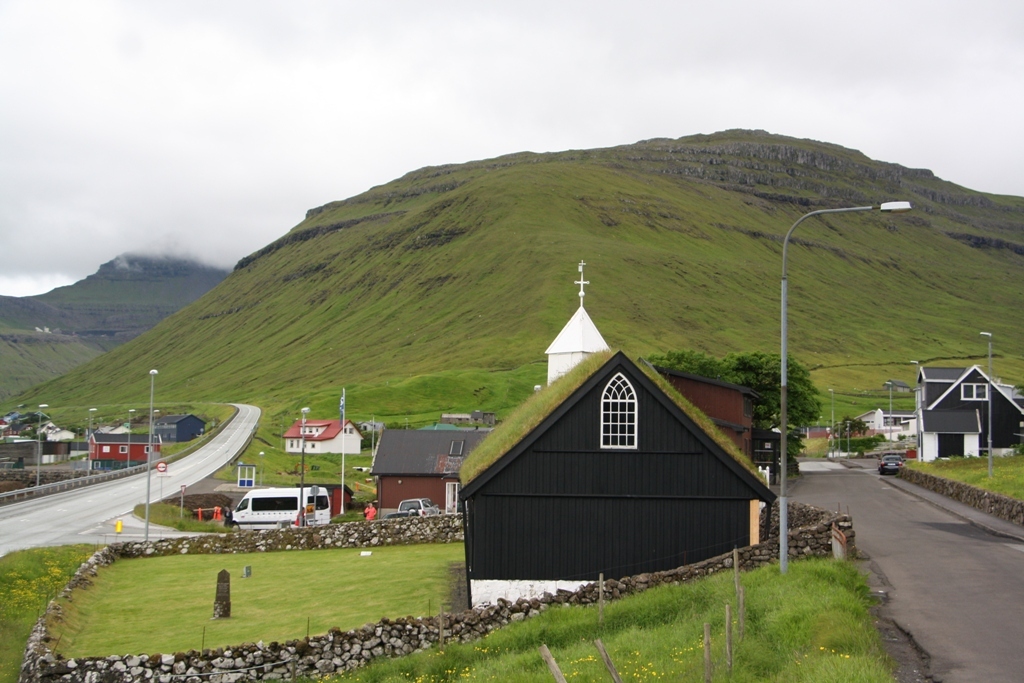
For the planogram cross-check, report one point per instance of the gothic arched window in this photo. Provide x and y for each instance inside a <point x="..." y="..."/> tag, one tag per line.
<point x="618" y="414"/>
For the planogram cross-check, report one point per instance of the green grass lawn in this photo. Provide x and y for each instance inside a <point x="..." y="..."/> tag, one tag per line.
<point x="171" y="516"/>
<point x="1007" y="473"/>
<point x="28" y="580"/>
<point x="811" y="625"/>
<point x="168" y="601"/>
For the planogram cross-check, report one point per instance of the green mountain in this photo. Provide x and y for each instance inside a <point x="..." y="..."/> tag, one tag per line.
<point x="46" y="335"/>
<point x="442" y="289"/>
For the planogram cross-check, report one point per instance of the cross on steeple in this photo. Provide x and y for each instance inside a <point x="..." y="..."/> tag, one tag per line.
<point x="581" y="282"/>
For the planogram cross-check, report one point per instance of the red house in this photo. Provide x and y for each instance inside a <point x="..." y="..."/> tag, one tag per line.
<point x="117" y="451"/>
<point x="730" y="406"/>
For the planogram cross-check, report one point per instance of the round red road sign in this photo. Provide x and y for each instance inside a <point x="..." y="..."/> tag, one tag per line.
<point x="161" y="467"/>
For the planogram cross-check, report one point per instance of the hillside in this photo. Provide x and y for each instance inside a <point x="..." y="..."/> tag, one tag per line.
<point x="46" y="335"/>
<point x="441" y="289"/>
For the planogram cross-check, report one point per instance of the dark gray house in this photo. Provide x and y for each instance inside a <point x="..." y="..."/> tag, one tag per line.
<point x="953" y="405"/>
<point x="178" y="428"/>
<point x="422" y="463"/>
<point x="607" y="470"/>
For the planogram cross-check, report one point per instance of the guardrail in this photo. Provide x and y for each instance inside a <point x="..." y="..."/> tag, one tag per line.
<point x="78" y="482"/>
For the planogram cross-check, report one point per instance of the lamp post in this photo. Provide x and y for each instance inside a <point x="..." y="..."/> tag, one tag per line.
<point x="263" y="466"/>
<point x="302" y="470"/>
<point x="128" y="459"/>
<point x="989" y="396"/>
<point x="889" y="383"/>
<point x="91" y="411"/>
<point x="889" y="207"/>
<point x="149" y="451"/>
<point x="918" y="410"/>
<point x="832" y="424"/>
<point x="39" y="441"/>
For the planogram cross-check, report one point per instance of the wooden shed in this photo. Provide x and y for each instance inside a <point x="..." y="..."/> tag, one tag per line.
<point x="607" y="470"/>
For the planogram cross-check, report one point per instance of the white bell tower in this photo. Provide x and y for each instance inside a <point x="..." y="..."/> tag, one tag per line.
<point x="577" y="340"/>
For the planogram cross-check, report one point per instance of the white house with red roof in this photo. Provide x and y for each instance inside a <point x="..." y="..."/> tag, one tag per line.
<point x="323" y="436"/>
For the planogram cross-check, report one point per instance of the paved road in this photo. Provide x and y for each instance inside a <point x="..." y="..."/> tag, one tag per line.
<point x="87" y="515"/>
<point x="957" y="589"/>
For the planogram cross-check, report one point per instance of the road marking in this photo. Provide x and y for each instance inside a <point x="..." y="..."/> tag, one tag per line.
<point x="1015" y="546"/>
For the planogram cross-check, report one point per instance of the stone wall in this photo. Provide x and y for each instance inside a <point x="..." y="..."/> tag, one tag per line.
<point x="28" y="476"/>
<point x="341" y="650"/>
<point x="996" y="504"/>
<point x="402" y="531"/>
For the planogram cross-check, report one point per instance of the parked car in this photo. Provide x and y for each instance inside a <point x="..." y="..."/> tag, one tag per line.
<point x="424" y="507"/>
<point x="890" y="464"/>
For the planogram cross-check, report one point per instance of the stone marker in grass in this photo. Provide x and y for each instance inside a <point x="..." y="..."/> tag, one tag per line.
<point x="222" y="603"/>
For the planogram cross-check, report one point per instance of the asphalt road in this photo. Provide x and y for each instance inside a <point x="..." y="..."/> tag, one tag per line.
<point x="957" y="589"/>
<point x="87" y="515"/>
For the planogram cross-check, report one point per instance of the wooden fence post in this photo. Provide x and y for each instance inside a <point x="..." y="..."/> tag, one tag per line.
<point x="741" y="607"/>
<point x="707" y="652"/>
<point x="440" y="629"/>
<point x="608" y="664"/>
<point x="600" y="599"/>
<point x="728" y="636"/>
<point x="736" y="568"/>
<point x="552" y="664"/>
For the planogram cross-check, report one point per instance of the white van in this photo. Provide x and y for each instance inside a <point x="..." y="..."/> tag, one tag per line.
<point x="271" y="508"/>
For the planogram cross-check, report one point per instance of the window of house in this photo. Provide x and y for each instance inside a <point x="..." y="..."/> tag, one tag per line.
<point x="145" y="449"/>
<point x="618" y="414"/>
<point x="456" y="448"/>
<point x="122" y="449"/>
<point x="748" y="407"/>
<point x="974" y="392"/>
<point x="106" y="449"/>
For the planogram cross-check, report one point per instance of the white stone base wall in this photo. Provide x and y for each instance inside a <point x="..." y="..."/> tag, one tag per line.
<point x="488" y="591"/>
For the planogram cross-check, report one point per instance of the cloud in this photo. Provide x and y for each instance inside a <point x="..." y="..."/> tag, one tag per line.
<point x="207" y="129"/>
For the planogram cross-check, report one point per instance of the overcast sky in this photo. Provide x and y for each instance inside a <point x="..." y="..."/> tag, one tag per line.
<point x="208" y="128"/>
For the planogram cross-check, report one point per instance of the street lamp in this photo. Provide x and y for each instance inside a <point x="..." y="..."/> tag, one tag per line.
<point x="889" y="383"/>
<point x="263" y="466"/>
<point x="128" y="459"/>
<point x="918" y="409"/>
<point x="832" y="424"/>
<point x="888" y="207"/>
<point x="989" y="395"/>
<point x="149" y="451"/>
<point x="302" y="471"/>
<point x="39" y="441"/>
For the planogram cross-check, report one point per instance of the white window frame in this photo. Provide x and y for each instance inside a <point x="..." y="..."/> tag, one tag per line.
<point x="974" y="392"/>
<point x="619" y="411"/>
<point x="122" y="449"/>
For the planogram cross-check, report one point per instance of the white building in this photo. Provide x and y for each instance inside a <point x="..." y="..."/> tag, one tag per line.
<point x="323" y="436"/>
<point x="577" y="340"/>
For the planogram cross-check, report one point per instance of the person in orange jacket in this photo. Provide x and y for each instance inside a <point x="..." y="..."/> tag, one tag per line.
<point x="370" y="512"/>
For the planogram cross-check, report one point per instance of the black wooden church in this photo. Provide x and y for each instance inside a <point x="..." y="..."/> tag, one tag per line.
<point x="622" y="476"/>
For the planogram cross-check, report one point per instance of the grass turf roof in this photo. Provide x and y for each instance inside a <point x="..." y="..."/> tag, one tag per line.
<point x="537" y="407"/>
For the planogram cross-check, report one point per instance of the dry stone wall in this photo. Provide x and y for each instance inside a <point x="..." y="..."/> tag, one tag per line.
<point x="996" y="504"/>
<point x="343" y="650"/>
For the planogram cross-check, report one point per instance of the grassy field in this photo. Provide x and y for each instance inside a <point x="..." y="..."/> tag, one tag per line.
<point x="169" y="600"/>
<point x="1007" y="473"/>
<point x="812" y="625"/>
<point x="28" y="580"/>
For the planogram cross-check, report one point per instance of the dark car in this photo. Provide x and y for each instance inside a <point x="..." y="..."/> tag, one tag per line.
<point x="890" y="464"/>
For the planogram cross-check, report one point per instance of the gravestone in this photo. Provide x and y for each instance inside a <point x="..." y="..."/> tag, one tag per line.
<point x="222" y="603"/>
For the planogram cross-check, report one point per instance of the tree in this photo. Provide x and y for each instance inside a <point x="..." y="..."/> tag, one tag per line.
<point x="761" y="372"/>
<point x="853" y="425"/>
